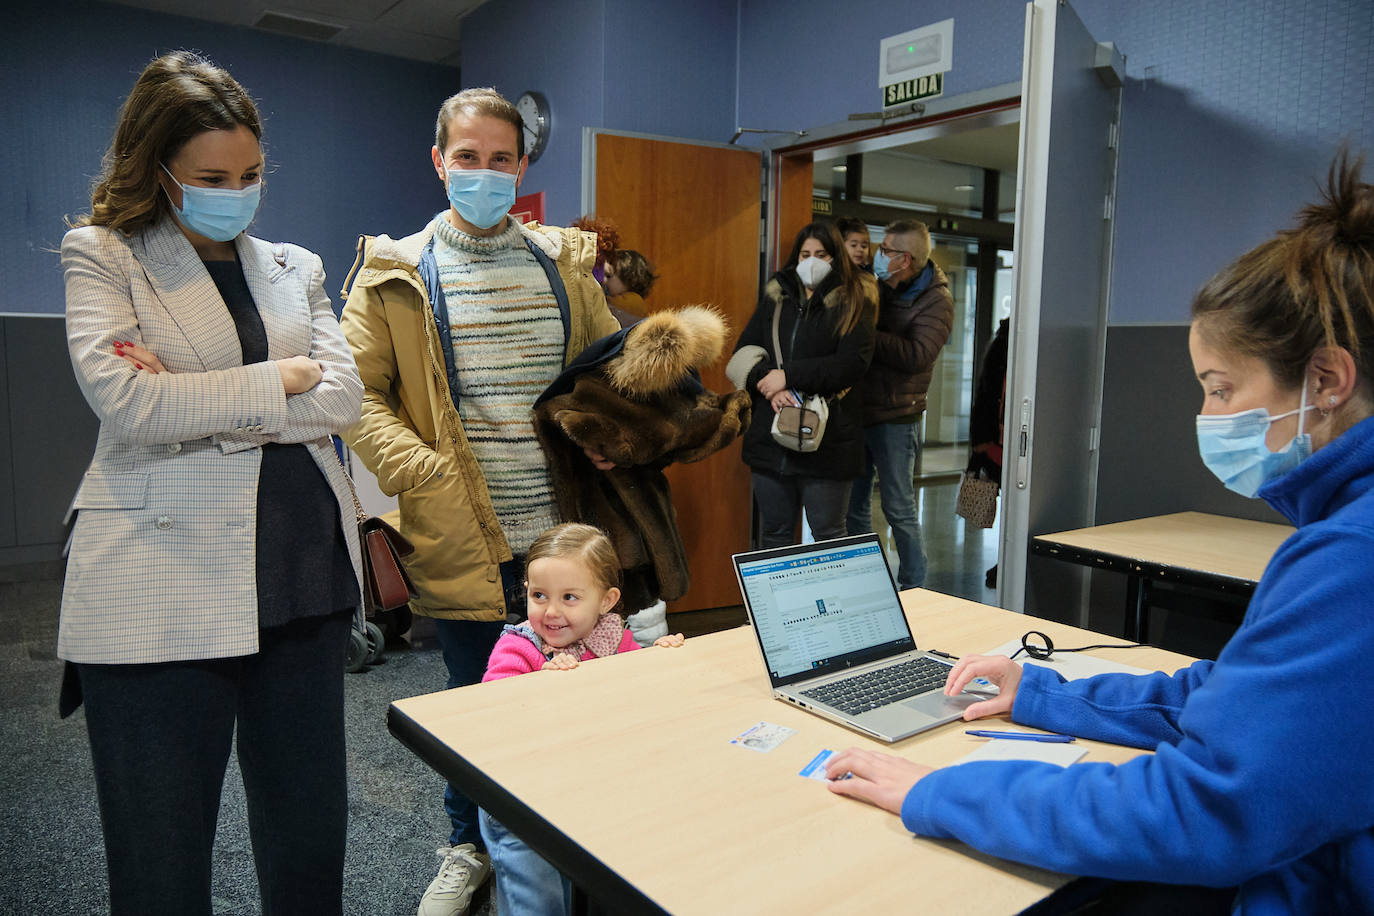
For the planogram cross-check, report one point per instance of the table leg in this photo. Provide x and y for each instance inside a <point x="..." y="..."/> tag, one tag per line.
<point x="1137" y="608"/>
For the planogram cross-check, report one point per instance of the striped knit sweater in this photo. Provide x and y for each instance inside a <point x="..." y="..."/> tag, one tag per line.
<point x="507" y="346"/>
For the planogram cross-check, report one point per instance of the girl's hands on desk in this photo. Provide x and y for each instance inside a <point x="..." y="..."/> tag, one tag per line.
<point x="563" y="661"/>
<point x="882" y="780"/>
<point x="671" y="641"/>
<point x="999" y="669"/>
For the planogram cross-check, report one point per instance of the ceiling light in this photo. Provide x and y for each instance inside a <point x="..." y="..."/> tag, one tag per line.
<point x="839" y="168"/>
<point x="963" y="187"/>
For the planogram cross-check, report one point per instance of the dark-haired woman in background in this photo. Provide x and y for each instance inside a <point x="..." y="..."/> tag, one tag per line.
<point x="825" y="329"/>
<point x="213" y="573"/>
<point x="1261" y="777"/>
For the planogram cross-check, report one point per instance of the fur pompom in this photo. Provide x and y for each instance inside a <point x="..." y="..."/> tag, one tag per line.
<point x="661" y="349"/>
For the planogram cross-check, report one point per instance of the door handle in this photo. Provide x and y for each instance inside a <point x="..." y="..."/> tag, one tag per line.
<point x="1023" y="445"/>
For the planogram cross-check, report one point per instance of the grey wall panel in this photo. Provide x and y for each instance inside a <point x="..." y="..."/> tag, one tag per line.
<point x="7" y="532"/>
<point x="52" y="428"/>
<point x="1149" y="463"/>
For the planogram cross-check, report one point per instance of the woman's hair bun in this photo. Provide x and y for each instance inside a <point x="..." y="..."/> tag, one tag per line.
<point x="1345" y="215"/>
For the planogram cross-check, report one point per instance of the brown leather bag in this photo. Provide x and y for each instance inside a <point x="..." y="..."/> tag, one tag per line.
<point x="386" y="584"/>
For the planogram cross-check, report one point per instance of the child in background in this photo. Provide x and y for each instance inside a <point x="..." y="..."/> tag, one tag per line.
<point x="629" y="277"/>
<point x="572" y="575"/>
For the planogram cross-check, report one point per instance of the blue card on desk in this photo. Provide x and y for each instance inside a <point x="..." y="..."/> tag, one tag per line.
<point x="816" y="768"/>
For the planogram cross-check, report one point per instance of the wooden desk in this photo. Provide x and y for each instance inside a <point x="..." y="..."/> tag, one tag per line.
<point x="1215" y="553"/>
<point x="622" y="775"/>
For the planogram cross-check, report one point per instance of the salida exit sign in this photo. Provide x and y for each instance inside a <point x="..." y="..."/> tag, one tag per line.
<point x="912" y="65"/>
<point x="913" y="90"/>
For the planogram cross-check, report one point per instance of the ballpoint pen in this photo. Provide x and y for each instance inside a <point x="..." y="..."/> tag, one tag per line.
<point x="1019" y="736"/>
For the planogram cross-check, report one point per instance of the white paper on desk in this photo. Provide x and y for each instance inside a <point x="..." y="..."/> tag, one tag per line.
<point x="1072" y="665"/>
<point x="1042" y="751"/>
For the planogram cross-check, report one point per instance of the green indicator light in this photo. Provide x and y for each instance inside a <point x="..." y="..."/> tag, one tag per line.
<point x="911" y="47"/>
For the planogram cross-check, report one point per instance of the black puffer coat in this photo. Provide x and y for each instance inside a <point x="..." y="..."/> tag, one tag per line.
<point x="816" y="360"/>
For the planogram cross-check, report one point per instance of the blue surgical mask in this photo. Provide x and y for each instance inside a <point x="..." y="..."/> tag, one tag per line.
<point x="482" y="197"/>
<point x="219" y="214"/>
<point x="1233" y="448"/>
<point x="882" y="265"/>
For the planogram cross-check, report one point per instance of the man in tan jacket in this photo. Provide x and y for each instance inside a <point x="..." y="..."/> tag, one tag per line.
<point x="456" y="330"/>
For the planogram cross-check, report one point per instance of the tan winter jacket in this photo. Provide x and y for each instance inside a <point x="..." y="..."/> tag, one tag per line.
<point x="410" y="435"/>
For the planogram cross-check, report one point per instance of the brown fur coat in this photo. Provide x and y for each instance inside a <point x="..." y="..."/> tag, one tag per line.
<point x="634" y="398"/>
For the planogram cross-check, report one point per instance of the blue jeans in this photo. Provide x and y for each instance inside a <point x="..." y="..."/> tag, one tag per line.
<point x="526" y="884"/>
<point x="467" y="646"/>
<point x="890" y="450"/>
<point x="782" y="497"/>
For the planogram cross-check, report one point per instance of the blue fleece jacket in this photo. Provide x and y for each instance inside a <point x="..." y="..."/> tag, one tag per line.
<point x="1263" y="771"/>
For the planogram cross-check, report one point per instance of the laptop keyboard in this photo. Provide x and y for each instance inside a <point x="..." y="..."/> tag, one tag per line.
<point x="867" y="691"/>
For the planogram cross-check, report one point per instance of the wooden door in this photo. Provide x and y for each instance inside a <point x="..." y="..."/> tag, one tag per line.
<point x="693" y="211"/>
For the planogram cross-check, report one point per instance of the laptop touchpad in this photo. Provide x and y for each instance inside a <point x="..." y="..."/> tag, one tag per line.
<point x="937" y="704"/>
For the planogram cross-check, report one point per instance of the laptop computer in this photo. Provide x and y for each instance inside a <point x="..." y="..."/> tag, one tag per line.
<point x="830" y="624"/>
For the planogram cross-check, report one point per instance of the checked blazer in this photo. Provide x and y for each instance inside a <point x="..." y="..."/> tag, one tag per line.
<point x="162" y="565"/>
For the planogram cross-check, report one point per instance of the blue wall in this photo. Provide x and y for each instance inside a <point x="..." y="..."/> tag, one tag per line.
<point x="1230" y="112"/>
<point x="805" y="63"/>
<point x="1230" y="116"/>
<point x="620" y="64"/>
<point x="347" y="133"/>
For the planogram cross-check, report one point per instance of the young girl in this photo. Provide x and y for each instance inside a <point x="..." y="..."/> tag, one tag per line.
<point x="572" y="574"/>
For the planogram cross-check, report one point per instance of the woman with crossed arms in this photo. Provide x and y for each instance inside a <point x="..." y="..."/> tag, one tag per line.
<point x="213" y="573"/>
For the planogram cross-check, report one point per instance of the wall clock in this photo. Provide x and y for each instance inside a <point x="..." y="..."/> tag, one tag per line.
<point x="534" y="110"/>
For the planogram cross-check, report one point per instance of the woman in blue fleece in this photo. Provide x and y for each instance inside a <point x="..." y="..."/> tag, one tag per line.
<point x="1263" y="773"/>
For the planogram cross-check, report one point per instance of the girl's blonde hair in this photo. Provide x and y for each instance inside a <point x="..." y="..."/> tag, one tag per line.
<point x="584" y="543"/>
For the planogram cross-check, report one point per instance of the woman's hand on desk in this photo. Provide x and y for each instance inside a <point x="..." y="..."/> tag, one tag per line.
<point x="999" y="669"/>
<point x="882" y="780"/>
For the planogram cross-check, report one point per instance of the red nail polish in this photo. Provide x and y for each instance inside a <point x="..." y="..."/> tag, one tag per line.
<point x="138" y="366"/>
<point x="128" y="343"/>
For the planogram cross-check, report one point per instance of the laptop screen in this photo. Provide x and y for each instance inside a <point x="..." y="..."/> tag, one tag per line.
<point x="822" y="607"/>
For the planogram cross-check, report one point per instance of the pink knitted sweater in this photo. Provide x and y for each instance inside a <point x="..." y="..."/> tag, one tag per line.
<point x="516" y="653"/>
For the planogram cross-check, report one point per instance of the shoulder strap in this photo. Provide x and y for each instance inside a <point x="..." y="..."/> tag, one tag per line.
<point x="777" y="347"/>
<point x="556" y="284"/>
<point x="428" y="268"/>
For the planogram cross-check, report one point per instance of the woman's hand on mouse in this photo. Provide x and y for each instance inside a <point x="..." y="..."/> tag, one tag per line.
<point x="999" y="669"/>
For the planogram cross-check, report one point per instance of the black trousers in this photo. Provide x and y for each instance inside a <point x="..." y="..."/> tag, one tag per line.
<point x="160" y="737"/>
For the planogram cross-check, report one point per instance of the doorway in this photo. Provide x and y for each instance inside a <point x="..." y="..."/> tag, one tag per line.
<point x="959" y="178"/>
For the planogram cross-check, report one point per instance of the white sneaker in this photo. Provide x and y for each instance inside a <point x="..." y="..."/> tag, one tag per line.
<point x="462" y="872"/>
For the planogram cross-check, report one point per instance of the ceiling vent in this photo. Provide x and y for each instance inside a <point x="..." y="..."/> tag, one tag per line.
<point x="297" y="27"/>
